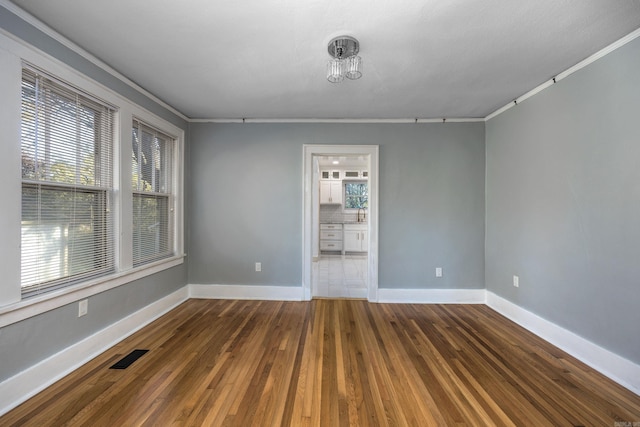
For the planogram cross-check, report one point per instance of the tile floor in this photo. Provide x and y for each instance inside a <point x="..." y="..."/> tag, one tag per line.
<point x="340" y="276"/>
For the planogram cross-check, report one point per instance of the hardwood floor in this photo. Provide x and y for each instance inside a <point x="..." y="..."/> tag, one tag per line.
<point x="333" y="363"/>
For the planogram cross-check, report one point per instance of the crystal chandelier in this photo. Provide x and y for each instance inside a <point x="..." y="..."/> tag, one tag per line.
<point x="346" y="62"/>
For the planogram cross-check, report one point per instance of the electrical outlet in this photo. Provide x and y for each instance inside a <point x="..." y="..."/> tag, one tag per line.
<point x="258" y="266"/>
<point x="516" y="281"/>
<point x="83" y="307"/>
<point x="438" y="271"/>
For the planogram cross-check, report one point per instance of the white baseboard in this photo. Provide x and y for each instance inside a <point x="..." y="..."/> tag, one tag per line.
<point x="26" y="384"/>
<point x="431" y="296"/>
<point x="22" y="386"/>
<point x="617" y="368"/>
<point x="248" y="292"/>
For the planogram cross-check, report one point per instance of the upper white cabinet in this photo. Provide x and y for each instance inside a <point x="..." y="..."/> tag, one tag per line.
<point x="355" y="174"/>
<point x="330" y="174"/>
<point x="331" y="192"/>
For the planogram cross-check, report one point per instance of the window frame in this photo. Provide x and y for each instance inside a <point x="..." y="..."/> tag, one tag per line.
<point x="56" y="128"/>
<point x="13" y="306"/>
<point x="157" y="193"/>
<point x="345" y="182"/>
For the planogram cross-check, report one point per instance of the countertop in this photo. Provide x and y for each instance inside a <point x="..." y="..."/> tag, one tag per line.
<point x="345" y="222"/>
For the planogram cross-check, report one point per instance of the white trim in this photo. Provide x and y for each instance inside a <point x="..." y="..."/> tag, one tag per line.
<point x="69" y="75"/>
<point x="445" y="120"/>
<point x="246" y="292"/>
<point x="337" y="120"/>
<point x="30" y="19"/>
<point x="26" y="384"/>
<point x="17" y="310"/>
<point x="215" y="121"/>
<point x="372" y="154"/>
<point x="33" y="306"/>
<point x="431" y="296"/>
<point x="617" y="368"/>
<point x="580" y="65"/>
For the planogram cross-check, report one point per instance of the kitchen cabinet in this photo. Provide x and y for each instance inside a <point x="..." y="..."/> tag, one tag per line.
<point x="331" y="192"/>
<point x="331" y="237"/>
<point x="356" y="174"/>
<point x="327" y="174"/>
<point x="355" y="238"/>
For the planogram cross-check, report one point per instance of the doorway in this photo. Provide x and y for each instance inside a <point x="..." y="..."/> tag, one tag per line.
<point x="349" y="263"/>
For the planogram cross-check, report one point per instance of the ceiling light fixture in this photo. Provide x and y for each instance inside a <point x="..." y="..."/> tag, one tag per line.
<point x="346" y="62"/>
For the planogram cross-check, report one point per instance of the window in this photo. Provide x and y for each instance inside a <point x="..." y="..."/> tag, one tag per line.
<point x="152" y="160"/>
<point x="67" y="184"/>
<point x="356" y="195"/>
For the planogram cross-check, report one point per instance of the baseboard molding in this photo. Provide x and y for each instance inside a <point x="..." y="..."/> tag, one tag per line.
<point x="247" y="292"/>
<point x="617" y="368"/>
<point x="22" y="386"/>
<point x="431" y="296"/>
<point x="28" y="383"/>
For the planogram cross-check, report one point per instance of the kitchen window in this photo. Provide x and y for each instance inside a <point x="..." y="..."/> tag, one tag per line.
<point x="356" y="195"/>
<point x="67" y="143"/>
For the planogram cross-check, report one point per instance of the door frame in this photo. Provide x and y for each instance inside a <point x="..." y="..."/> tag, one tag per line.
<point x="310" y="150"/>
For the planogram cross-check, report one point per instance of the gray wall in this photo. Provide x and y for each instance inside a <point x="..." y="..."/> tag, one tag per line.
<point x="25" y="343"/>
<point x="246" y="201"/>
<point x="563" y="203"/>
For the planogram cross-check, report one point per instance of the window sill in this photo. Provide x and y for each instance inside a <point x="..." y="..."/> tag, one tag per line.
<point x="35" y="305"/>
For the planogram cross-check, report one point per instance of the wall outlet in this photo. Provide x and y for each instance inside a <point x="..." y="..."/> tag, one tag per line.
<point x="516" y="281"/>
<point x="258" y="266"/>
<point x="83" y="307"/>
<point x="438" y="271"/>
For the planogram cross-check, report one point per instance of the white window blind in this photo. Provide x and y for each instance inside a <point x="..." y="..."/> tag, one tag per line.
<point x="67" y="153"/>
<point x="153" y="225"/>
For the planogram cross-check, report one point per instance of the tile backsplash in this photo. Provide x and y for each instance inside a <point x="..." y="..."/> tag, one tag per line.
<point x="334" y="213"/>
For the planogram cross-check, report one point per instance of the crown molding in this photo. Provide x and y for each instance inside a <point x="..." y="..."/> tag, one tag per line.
<point x="564" y="74"/>
<point x="32" y="20"/>
<point x="335" y="120"/>
<point x="580" y="65"/>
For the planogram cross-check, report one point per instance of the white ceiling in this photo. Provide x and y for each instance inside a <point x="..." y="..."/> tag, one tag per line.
<point x="267" y="58"/>
<point x="343" y="161"/>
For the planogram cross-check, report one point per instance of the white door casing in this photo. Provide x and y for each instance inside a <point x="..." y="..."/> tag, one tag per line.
<point x="309" y="189"/>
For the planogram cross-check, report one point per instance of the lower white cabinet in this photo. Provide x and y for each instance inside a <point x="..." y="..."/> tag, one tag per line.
<point x="355" y="238"/>
<point x="331" y="237"/>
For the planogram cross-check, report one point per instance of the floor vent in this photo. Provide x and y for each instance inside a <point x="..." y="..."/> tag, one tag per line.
<point x="129" y="359"/>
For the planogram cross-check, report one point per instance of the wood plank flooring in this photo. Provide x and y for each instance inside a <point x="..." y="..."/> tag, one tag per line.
<point x="332" y="363"/>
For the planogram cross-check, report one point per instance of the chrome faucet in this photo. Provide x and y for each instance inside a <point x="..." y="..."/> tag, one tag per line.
<point x="364" y="214"/>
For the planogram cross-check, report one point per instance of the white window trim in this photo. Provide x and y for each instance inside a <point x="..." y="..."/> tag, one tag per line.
<point x="172" y="195"/>
<point x="33" y="306"/>
<point x="13" y="53"/>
